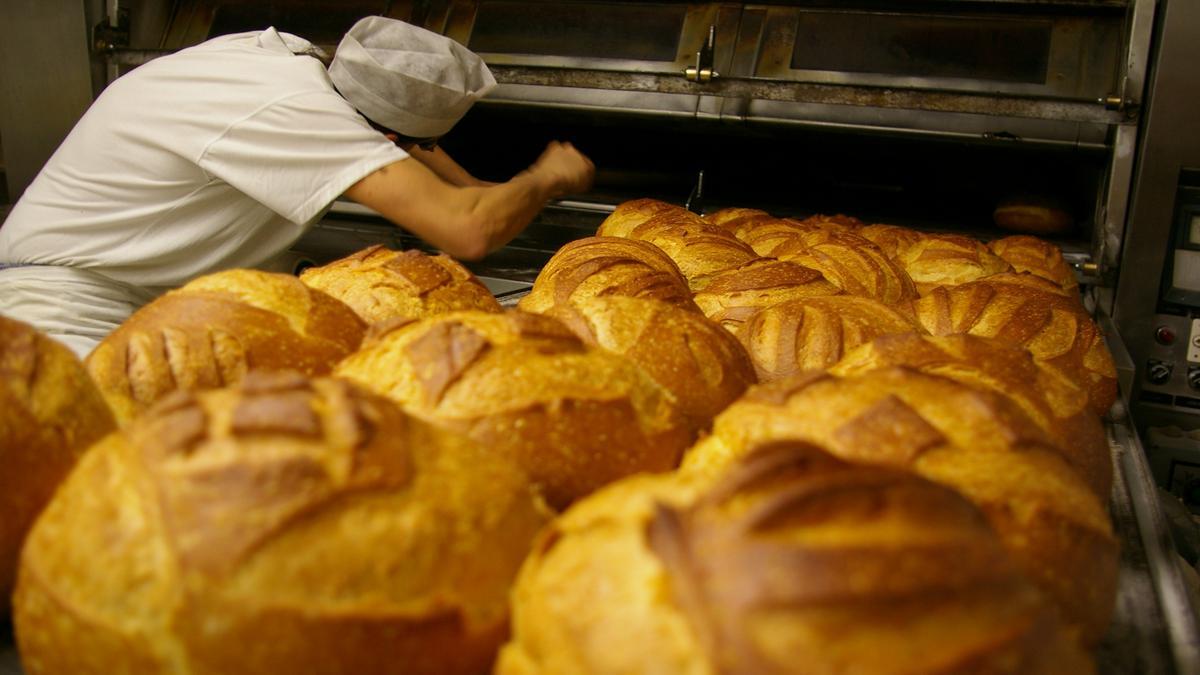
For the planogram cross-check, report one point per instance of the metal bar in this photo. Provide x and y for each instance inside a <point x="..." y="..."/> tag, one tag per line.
<point x="1178" y="615"/>
<point x="804" y="92"/>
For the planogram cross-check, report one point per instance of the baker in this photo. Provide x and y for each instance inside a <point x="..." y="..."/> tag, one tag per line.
<point x="222" y="155"/>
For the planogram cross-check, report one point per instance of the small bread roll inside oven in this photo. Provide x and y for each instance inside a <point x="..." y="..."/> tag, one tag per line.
<point x="523" y="385"/>
<point x="50" y="413"/>
<point x="213" y="330"/>
<point x="285" y="525"/>
<point x="606" y="266"/>
<point x="380" y="284"/>
<point x="790" y="562"/>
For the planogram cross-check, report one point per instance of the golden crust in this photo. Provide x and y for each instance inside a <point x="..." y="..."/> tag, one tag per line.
<point x="891" y="239"/>
<point x="700" y="250"/>
<point x="630" y="214"/>
<point x="948" y="260"/>
<point x="792" y="562"/>
<point x="851" y="263"/>
<point x="603" y="266"/>
<point x="210" y="332"/>
<point x="380" y="284"/>
<point x="1038" y="257"/>
<point x="285" y="525"/>
<point x="1033" y="313"/>
<point x="573" y="417"/>
<point x="813" y="333"/>
<point x="50" y="413"/>
<point x="972" y="440"/>
<point x="1058" y="406"/>
<point x="735" y="295"/>
<point x="700" y="363"/>
<point x="766" y="234"/>
<point x="726" y="217"/>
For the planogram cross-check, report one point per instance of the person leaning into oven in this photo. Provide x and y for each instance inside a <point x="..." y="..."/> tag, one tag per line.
<point x="222" y="155"/>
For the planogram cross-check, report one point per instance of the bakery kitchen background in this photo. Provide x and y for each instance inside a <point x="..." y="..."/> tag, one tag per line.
<point x="879" y="327"/>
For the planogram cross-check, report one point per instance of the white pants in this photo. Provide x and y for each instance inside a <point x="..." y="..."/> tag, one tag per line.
<point x="74" y="306"/>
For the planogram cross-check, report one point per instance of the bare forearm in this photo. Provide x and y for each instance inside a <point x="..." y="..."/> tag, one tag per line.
<point x="438" y="161"/>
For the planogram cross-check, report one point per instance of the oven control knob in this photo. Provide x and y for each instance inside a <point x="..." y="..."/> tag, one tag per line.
<point x="1158" y="372"/>
<point x="1193" y="377"/>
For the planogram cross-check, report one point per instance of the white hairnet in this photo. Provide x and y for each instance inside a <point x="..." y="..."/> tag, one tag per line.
<point x="408" y="79"/>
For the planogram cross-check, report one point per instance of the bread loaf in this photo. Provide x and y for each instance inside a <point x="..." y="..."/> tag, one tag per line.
<point x="630" y="214"/>
<point x="814" y="333"/>
<point x="733" y="296"/>
<point x="50" y="412"/>
<point x="210" y="332"/>
<point x="699" y="249"/>
<point x="1033" y="215"/>
<point x="723" y="217"/>
<point x="285" y="525"/>
<point x="603" y="266"/>
<point x="1038" y="257"/>
<point x="891" y="239"/>
<point x="524" y="386"/>
<point x="836" y="222"/>
<point x="792" y="562"/>
<point x="1033" y="313"/>
<point x="764" y="235"/>
<point x="974" y="441"/>
<point x="1058" y="406"/>
<point x="948" y="260"/>
<point x="700" y="363"/>
<point x="380" y="284"/>
<point x="851" y="263"/>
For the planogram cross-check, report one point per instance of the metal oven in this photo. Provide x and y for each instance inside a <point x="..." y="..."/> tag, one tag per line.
<point x="926" y="113"/>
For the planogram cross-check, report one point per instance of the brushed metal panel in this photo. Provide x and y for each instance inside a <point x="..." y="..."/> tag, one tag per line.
<point x="45" y="80"/>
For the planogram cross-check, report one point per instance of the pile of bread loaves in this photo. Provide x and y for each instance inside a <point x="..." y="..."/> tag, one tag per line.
<point x="730" y="443"/>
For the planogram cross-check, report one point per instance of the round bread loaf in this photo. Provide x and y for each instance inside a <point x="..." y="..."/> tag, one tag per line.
<point x="851" y="263"/>
<point x="891" y="239"/>
<point x="1038" y="257"/>
<point x="699" y="249"/>
<point x="813" y="333"/>
<point x="1033" y="313"/>
<point x="603" y="266"/>
<point x="380" y="284"/>
<point x="972" y="440"/>
<point x="630" y="214"/>
<point x="725" y="217"/>
<point x="524" y="386"/>
<point x="838" y="222"/>
<point x="948" y="260"/>
<point x="700" y="363"/>
<point x="1032" y="215"/>
<point x="210" y="332"/>
<point x="1058" y="406"/>
<point x="50" y="412"/>
<point x="735" y="295"/>
<point x="285" y="525"/>
<point x="792" y="562"/>
<point x="765" y="234"/>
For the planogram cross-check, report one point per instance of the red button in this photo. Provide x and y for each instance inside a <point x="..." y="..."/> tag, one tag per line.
<point x="1164" y="335"/>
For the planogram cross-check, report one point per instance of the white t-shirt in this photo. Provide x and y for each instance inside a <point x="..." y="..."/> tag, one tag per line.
<point x="215" y="157"/>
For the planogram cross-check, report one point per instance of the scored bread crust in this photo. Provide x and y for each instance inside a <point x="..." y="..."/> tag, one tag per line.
<point x="285" y="525"/>
<point x="50" y="413"/>
<point x="381" y="284"/>
<point x="215" y="329"/>
<point x="790" y="562"/>
<point x="523" y="385"/>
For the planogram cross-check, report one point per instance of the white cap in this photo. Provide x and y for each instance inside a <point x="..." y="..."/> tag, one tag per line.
<point x="408" y="79"/>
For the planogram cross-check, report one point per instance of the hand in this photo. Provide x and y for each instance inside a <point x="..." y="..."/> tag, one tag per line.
<point x="567" y="170"/>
